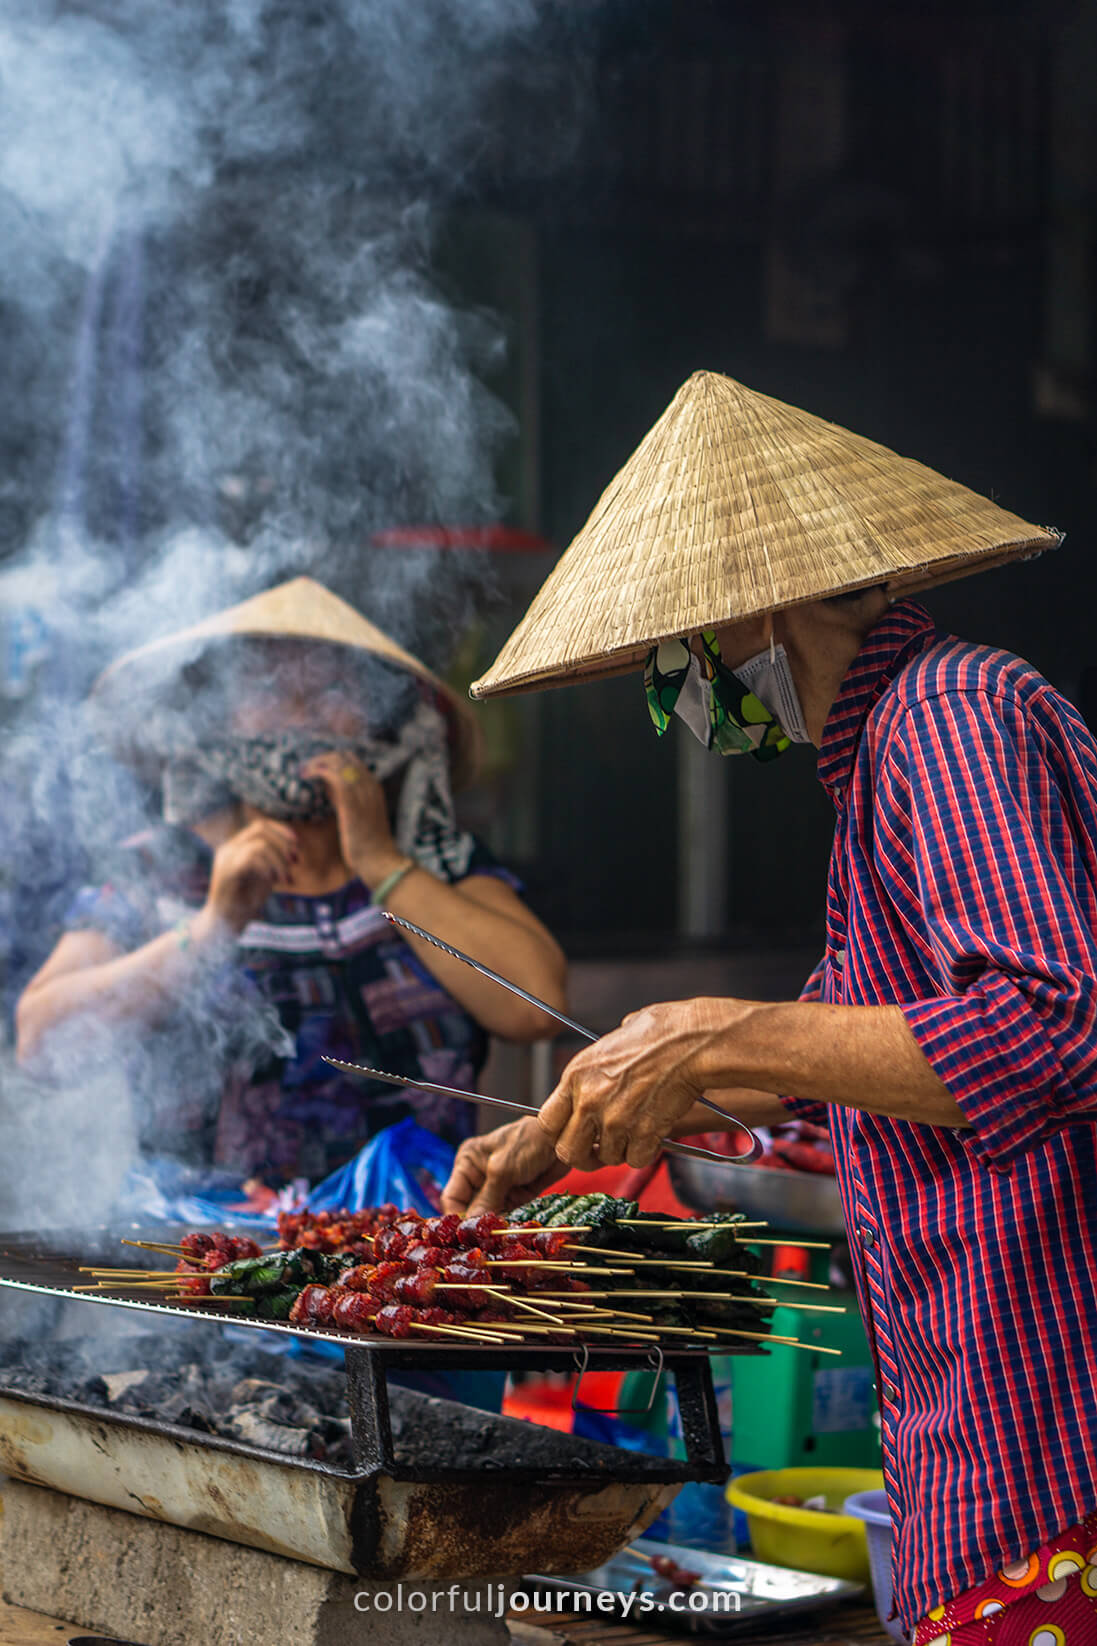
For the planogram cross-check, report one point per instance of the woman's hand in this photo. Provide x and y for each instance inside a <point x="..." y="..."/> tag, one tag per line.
<point x="358" y="799"/>
<point x="501" y="1169"/>
<point x="245" y="869"/>
<point x="618" y="1099"/>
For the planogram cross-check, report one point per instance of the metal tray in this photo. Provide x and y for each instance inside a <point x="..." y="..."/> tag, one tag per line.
<point x="759" y="1592"/>
<point x="801" y="1202"/>
<point x="50" y="1264"/>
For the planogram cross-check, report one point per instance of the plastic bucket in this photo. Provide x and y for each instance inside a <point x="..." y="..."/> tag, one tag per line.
<point x="872" y="1508"/>
<point x="784" y="1534"/>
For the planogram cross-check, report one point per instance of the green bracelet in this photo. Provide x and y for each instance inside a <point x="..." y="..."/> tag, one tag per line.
<point x="391" y="881"/>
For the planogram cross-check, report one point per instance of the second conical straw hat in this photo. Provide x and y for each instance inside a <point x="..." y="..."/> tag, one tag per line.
<point x="301" y="609"/>
<point x="735" y="504"/>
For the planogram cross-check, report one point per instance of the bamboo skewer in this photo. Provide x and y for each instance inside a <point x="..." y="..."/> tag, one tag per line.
<point x="530" y="1326"/>
<point x="543" y="1263"/>
<point x="206" y="1297"/>
<point x="646" y="1262"/>
<point x="538" y="1228"/>
<point x="560" y="1326"/>
<point x="690" y="1223"/>
<point x="461" y="1331"/>
<point x="688" y="1331"/>
<point x="583" y="1295"/>
<point x="465" y="1286"/>
<point x="773" y="1280"/>
<point x="769" y="1337"/>
<point x="636" y="1333"/>
<point x="520" y="1303"/>
<point x="642" y="1291"/>
<point x="792" y="1240"/>
<point x="591" y="1312"/>
<point x="163" y="1276"/>
<point x="131" y="1286"/>
<point x="804" y="1308"/>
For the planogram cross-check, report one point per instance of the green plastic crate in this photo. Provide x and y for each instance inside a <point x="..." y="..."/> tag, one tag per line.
<point x="790" y="1407"/>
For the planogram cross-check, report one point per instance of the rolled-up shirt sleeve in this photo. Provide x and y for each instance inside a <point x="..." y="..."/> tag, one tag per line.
<point x="802" y="1107"/>
<point x="976" y="821"/>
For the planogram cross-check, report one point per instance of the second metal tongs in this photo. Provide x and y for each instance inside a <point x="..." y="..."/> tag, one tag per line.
<point x="672" y="1146"/>
<point x="755" y="1148"/>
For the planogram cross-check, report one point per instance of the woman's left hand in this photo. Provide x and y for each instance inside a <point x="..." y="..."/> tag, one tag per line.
<point x="619" y="1098"/>
<point x="365" y="834"/>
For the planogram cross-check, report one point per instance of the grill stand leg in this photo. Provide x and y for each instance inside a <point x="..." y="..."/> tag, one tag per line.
<point x="368" y="1399"/>
<point x="700" y="1418"/>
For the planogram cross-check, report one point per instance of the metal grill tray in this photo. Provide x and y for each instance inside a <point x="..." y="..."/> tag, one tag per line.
<point x="50" y="1264"/>
<point x="764" y="1592"/>
<point x="383" y="1519"/>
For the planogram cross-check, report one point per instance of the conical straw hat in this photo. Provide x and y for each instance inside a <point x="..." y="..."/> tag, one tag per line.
<point x="733" y="505"/>
<point x="301" y="609"/>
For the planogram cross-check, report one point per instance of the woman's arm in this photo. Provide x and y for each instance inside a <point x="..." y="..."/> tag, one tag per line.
<point x="480" y="914"/>
<point x="488" y="920"/>
<point x="616" y="1099"/>
<point x="88" y="974"/>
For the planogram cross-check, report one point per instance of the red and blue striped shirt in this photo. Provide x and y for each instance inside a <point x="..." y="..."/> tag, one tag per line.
<point x="963" y="887"/>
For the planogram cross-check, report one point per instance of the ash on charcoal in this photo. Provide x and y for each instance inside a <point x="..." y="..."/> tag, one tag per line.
<point x="297" y="1407"/>
<point x="218" y="1388"/>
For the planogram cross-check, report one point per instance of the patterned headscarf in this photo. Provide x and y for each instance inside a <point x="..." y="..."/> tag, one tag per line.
<point x="265" y="772"/>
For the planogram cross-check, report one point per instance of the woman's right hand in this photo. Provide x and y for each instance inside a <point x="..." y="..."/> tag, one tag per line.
<point x="502" y="1169"/>
<point x="245" y="870"/>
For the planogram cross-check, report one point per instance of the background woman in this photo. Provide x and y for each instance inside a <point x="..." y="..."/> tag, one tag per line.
<point x="306" y="763"/>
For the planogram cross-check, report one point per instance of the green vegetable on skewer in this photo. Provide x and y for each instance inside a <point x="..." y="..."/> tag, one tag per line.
<point x="252" y="1276"/>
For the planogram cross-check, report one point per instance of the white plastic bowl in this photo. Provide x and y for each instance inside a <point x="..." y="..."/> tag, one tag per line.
<point x="872" y="1508"/>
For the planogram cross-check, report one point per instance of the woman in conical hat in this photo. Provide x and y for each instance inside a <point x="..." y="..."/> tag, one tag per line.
<point x="750" y="560"/>
<point x="305" y="761"/>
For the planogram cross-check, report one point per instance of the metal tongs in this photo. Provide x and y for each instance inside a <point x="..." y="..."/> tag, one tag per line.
<point x="670" y="1145"/>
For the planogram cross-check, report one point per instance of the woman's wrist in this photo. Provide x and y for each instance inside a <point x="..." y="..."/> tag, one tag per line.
<point x="375" y="869"/>
<point x="382" y="889"/>
<point x="207" y="929"/>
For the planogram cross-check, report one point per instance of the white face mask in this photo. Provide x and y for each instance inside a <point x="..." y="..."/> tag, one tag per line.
<point x="769" y="677"/>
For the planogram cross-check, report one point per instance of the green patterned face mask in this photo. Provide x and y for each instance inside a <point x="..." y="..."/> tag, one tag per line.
<point x="718" y="709"/>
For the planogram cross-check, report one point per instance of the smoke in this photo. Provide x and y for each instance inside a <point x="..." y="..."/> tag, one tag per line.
<point x="228" y="358"/>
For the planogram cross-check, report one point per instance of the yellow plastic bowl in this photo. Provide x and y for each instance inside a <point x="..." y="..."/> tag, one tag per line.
<point x="808" y="1539"/>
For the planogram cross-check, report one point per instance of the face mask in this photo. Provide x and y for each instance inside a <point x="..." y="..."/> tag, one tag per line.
<point x="265" y="772"/>
<point x="769" y="677"/>
<point x="720" y="710"/>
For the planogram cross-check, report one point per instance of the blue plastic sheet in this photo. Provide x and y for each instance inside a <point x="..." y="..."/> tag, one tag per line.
<point x="163" y="1191"/>
<point x="403" y="1164"/>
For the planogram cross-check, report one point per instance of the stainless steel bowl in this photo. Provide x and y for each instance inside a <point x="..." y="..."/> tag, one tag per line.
<point x="801" y="1202"/>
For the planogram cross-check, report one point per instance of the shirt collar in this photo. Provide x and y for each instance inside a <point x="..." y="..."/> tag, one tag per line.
<point x="903" y="631"/>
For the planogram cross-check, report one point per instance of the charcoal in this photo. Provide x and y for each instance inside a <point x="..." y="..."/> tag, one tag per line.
<point x="296" y="1406"/>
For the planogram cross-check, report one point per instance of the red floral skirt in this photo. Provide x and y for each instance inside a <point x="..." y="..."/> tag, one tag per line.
<point x="1050" y="1599"/>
